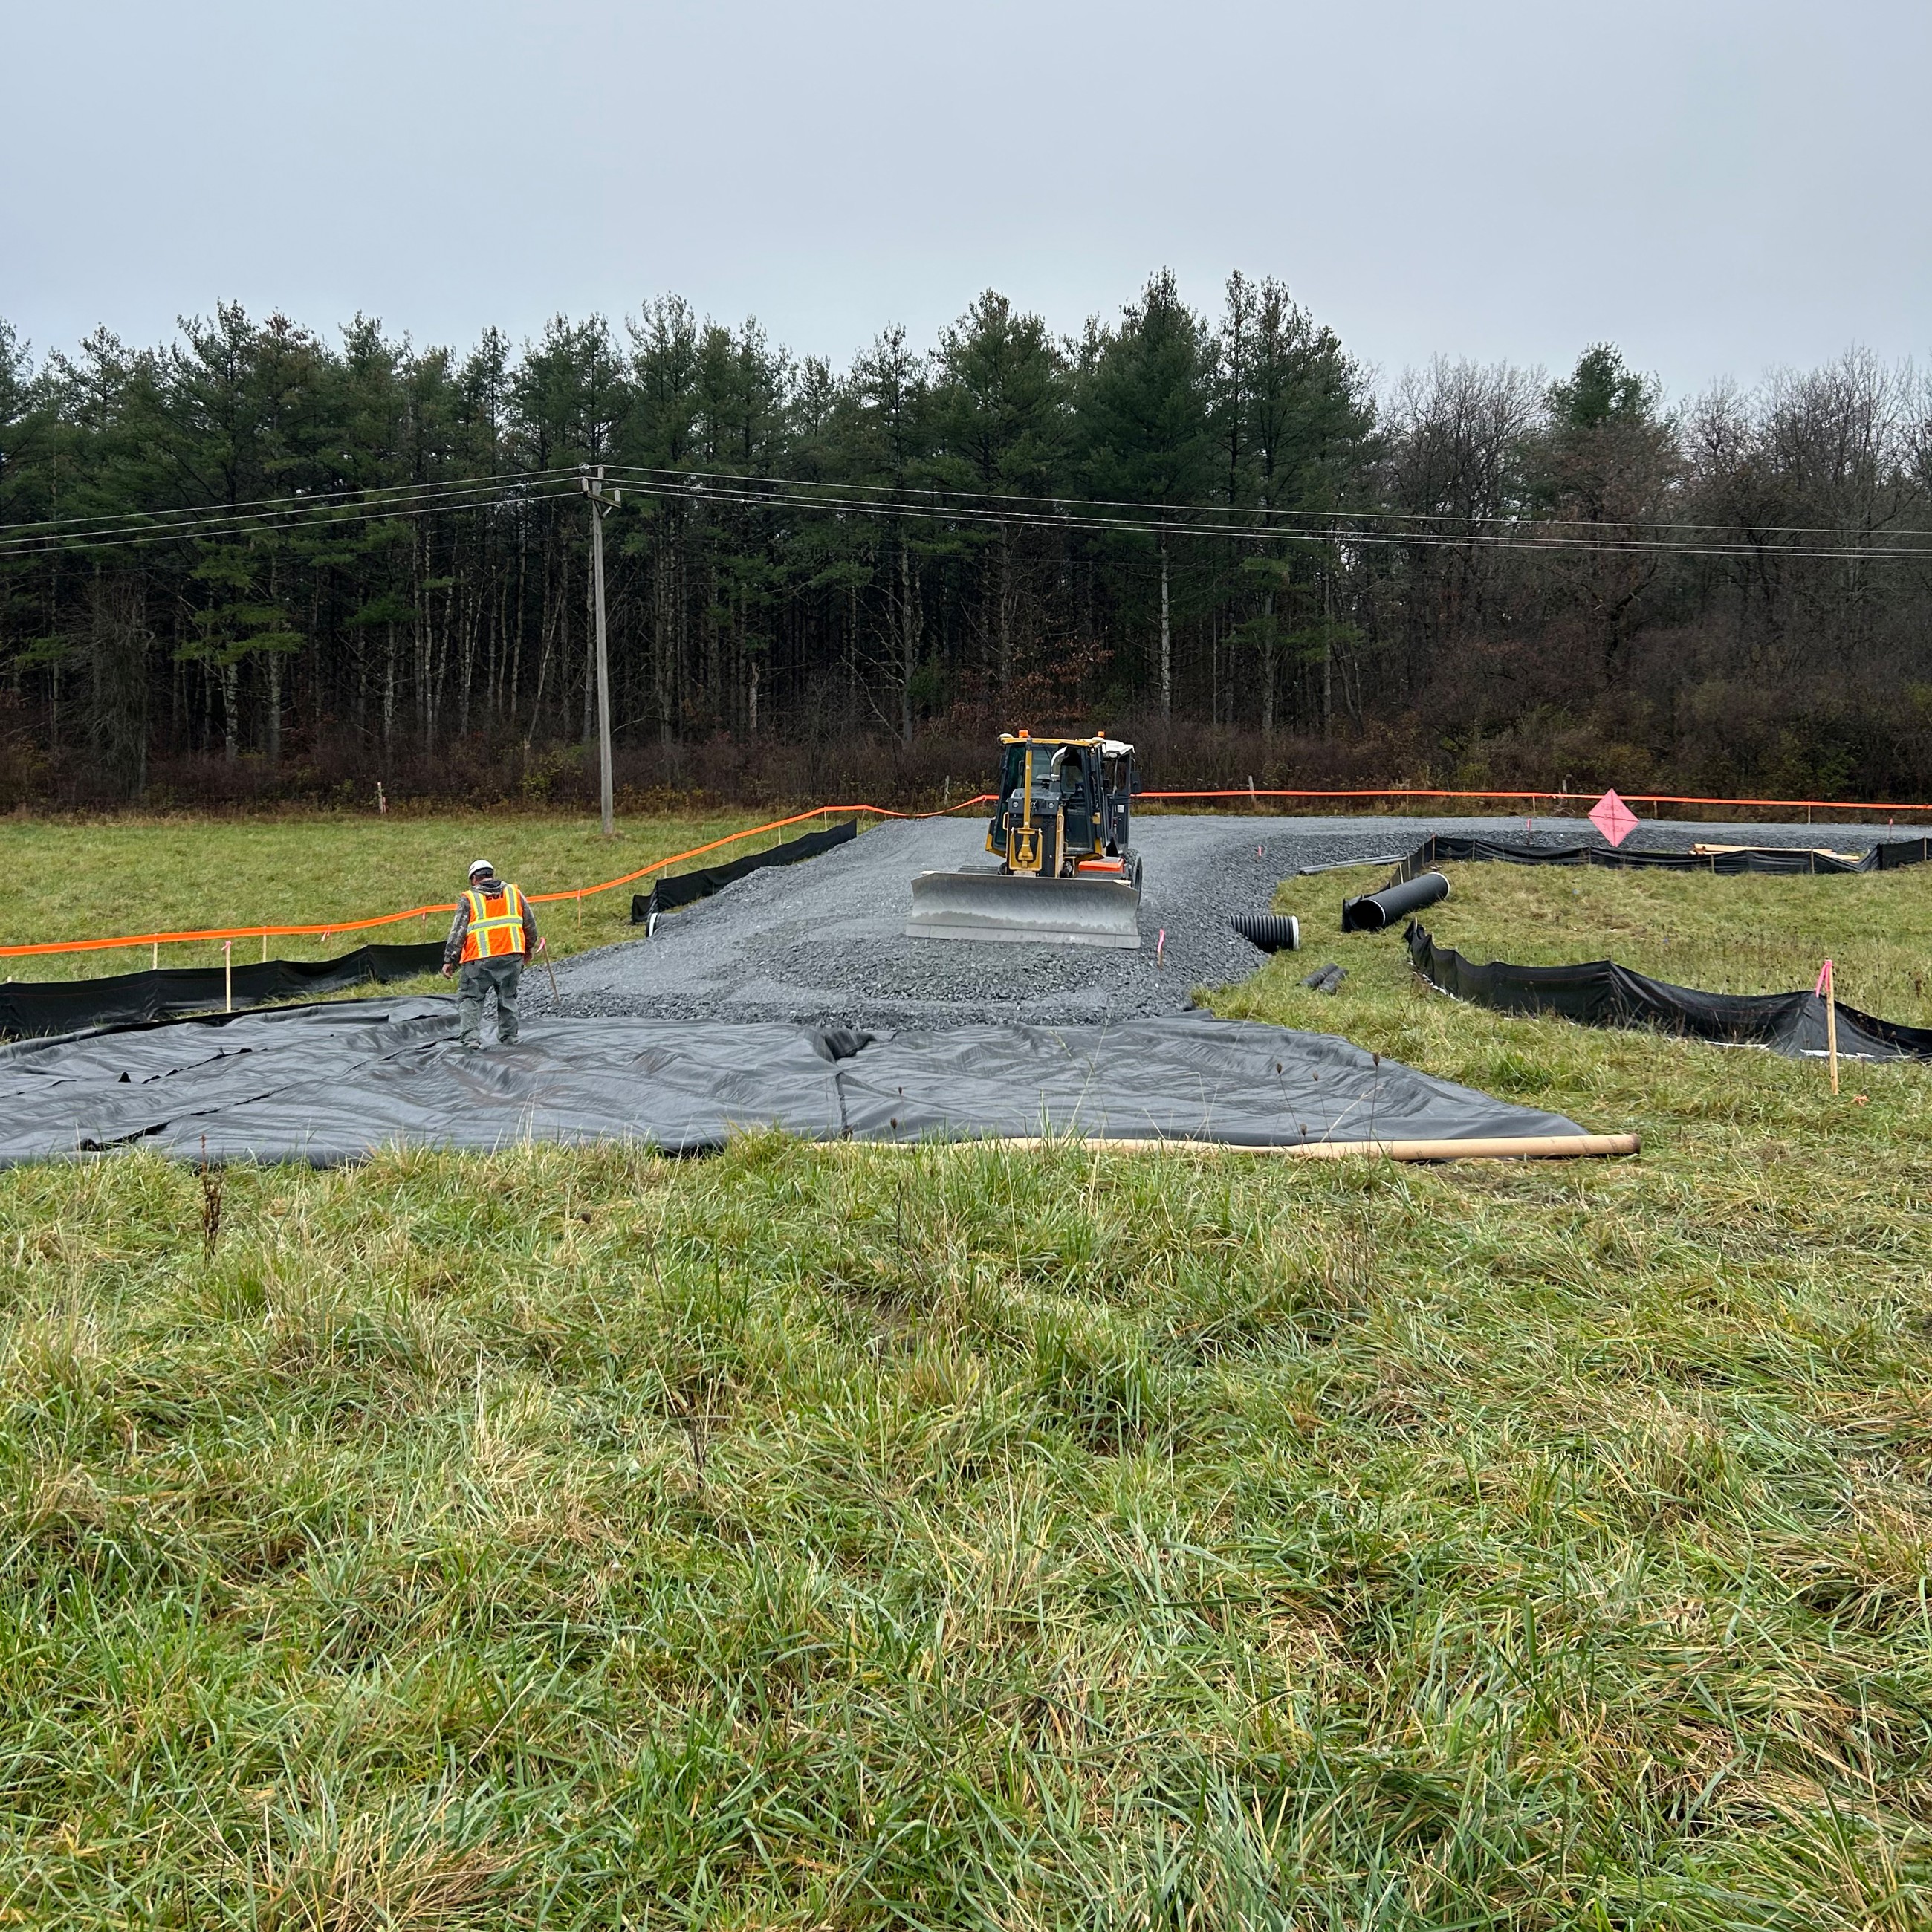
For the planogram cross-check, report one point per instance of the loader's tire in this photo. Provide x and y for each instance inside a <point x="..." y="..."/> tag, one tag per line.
<point x="1136" y="874"/>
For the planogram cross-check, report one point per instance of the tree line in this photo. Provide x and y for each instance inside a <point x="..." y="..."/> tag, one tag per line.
<point x="253" y="562"/>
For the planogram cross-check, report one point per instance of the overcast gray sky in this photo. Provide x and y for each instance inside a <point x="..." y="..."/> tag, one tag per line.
<point x="1719" y="188"/>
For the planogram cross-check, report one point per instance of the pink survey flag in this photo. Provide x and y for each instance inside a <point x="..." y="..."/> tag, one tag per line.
<point x="1613" y="818"/>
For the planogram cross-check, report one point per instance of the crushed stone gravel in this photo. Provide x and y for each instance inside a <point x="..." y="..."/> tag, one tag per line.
<point x="823" y="942"/>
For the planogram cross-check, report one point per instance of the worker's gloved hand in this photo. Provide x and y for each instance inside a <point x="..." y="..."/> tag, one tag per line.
<point x="447" y="970"/>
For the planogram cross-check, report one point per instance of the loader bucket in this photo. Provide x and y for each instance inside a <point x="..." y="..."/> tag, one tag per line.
<point x="1016" y="908"/>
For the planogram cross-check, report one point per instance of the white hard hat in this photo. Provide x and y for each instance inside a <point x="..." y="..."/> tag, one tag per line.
<point x="481" y="865"/>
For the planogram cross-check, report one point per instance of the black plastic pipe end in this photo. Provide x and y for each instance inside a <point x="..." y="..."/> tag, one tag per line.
<point x="1272" y="931"/>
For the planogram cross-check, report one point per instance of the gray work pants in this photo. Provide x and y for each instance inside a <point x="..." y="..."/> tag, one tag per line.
<point x="482" y="976"/>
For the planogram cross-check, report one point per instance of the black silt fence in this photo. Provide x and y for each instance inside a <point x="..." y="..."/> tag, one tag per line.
<point x="687" y="888"/>
<point x="29" y="1008"/>
<point x="1445" y="848"/>
<point x="1599" y="992"/>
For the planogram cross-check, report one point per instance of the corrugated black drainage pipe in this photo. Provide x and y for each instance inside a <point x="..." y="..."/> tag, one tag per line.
<point x="1272" y="931"/>
<point x="1374" y="911"/>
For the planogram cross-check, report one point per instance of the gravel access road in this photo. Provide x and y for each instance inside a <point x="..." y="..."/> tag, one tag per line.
<point x="823" y="941"/>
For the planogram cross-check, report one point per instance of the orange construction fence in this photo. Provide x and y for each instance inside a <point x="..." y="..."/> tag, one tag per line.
<point x="329" y="928"/>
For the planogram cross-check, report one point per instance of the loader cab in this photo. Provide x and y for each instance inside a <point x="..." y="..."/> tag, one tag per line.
<point x="1063" y="803"/>
<point x="1032" y="774"/>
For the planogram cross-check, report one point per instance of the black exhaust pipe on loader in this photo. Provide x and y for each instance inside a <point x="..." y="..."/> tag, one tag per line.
<point x="1373" y="911"/>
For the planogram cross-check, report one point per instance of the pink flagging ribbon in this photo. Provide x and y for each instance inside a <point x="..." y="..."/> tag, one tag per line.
<point x="1824" y="981"/>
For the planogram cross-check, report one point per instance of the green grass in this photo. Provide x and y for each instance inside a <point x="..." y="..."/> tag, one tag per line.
<point x="843" y="1537"/>
<point x="79" y="879"/>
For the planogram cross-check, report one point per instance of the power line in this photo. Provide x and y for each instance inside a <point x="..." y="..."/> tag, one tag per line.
<point x="1321" y="519"/>
<point x="1339" y="527"/>
<point x="300" y="499"/>
<point x="279" y="513"/>
<point x="1349" y="529"/>
<point x="941" y="500"/>
<point x="331" y="516"/>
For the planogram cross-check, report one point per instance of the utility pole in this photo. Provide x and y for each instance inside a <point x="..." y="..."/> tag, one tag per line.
<point x="1328" y="641"/>
<point x="1166" y="645"/>
<point x="601" y="507"/>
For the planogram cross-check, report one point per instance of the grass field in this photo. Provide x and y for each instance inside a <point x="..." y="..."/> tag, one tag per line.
<point x="827" y="1537"/>
<point x="79" y="879"/>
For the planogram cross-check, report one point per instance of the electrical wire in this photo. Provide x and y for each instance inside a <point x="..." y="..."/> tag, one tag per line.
<point x="1339" y="529"/>
<point x="939" y="500"/>
<point x="1320" y="519"/>
<point x="1344" y="529"/>
<point x="428" y="500"/>
<point x="298" y="500"/>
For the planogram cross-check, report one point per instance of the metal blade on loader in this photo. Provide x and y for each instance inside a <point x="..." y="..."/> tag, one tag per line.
<point x="1016" y="908"/>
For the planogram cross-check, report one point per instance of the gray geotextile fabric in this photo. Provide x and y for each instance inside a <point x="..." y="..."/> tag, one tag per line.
<point x="331" y="1083"/>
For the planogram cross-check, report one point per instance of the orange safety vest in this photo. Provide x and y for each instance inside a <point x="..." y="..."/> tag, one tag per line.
<point x="494" y="935"/>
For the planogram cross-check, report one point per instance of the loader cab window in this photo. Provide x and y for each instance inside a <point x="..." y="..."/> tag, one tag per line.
<point x="1030" y="767"/>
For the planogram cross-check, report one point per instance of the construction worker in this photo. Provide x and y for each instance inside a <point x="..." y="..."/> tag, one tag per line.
<point x="493" y="933"/>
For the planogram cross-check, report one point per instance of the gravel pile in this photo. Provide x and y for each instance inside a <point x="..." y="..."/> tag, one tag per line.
<point x="823" y="942"/>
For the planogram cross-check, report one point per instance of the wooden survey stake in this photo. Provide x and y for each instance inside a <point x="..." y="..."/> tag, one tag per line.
<point x="1827" y="985"/>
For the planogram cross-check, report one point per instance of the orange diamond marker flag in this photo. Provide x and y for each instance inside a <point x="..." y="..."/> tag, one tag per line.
<point x="1613" y="818"/>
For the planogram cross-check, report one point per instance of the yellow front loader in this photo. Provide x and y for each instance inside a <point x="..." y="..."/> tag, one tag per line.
<point x="1066" y="875"/>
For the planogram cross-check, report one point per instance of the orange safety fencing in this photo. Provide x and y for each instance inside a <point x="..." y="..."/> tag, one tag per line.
<point x="580" y="893"/>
